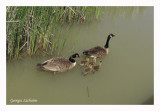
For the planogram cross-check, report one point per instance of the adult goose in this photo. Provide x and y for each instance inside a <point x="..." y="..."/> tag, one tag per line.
<point x="97" y="52"/>
<point x="59" y="64"/>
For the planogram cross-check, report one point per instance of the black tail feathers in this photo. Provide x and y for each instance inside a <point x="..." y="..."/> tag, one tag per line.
<point x="85" y="52"/>
<point x="39" y="65"/>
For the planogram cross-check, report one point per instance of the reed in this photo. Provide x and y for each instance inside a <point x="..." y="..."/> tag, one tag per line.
<point x="31" y="28"/>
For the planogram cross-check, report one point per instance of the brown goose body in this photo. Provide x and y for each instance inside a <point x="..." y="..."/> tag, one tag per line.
<point x="96" y="52"/>
<point x="59" y="64"/>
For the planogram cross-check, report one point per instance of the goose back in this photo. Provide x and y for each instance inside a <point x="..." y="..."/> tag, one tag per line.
<point x="95" y="52"/>
<point x="58" y="64"/>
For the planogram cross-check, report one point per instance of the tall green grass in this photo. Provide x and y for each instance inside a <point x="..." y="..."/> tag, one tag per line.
<point x="31" y="28"/>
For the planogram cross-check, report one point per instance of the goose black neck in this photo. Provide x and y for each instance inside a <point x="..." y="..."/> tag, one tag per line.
<point x="72" y="60"/>
<point x="107" y="42"/>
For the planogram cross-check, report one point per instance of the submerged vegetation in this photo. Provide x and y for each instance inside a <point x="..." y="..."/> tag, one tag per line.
<point x="31" y="28"/>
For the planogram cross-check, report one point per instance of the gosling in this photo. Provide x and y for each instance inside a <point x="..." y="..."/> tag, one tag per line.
<point x="85" y="62"/>
<point x="97" y="67"/>
<point x="93" y="63"/>
<point x="88" y="70"/>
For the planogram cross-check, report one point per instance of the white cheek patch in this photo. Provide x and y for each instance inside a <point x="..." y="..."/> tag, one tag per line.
<point x="74" y="64"/>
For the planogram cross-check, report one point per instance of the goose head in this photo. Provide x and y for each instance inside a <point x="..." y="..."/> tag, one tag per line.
<point x="76" y="55"/>
<point x="111" y="35"/>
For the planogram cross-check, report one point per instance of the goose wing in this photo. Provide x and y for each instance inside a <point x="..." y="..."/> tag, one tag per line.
<point x="57" y="64"/>
<point x="95" y="52"/>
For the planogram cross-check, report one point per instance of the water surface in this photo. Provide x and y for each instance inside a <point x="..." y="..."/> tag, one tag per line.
<point x="125" y="77"/>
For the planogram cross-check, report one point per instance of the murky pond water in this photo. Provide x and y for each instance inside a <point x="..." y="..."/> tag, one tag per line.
<point x="125" y="77"/>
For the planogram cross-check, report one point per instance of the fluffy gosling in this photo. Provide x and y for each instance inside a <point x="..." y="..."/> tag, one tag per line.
<point x="88" y="70"/>
<point x="97" y="67"/>
<point x="85" y="62"/>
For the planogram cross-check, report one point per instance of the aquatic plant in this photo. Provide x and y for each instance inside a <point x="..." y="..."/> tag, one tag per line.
<point x="31" y="28"/>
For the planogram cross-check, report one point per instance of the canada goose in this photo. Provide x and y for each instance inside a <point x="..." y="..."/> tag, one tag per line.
<point x="88" y="70"/>
<point x="96" y="68"/>
<point x="59" y="64"/>
<point x="98" y="51"/>
<point x="85" y="62"/>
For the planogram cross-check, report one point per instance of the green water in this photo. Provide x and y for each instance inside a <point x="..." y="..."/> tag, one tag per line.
<point x="125" y="77"/>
